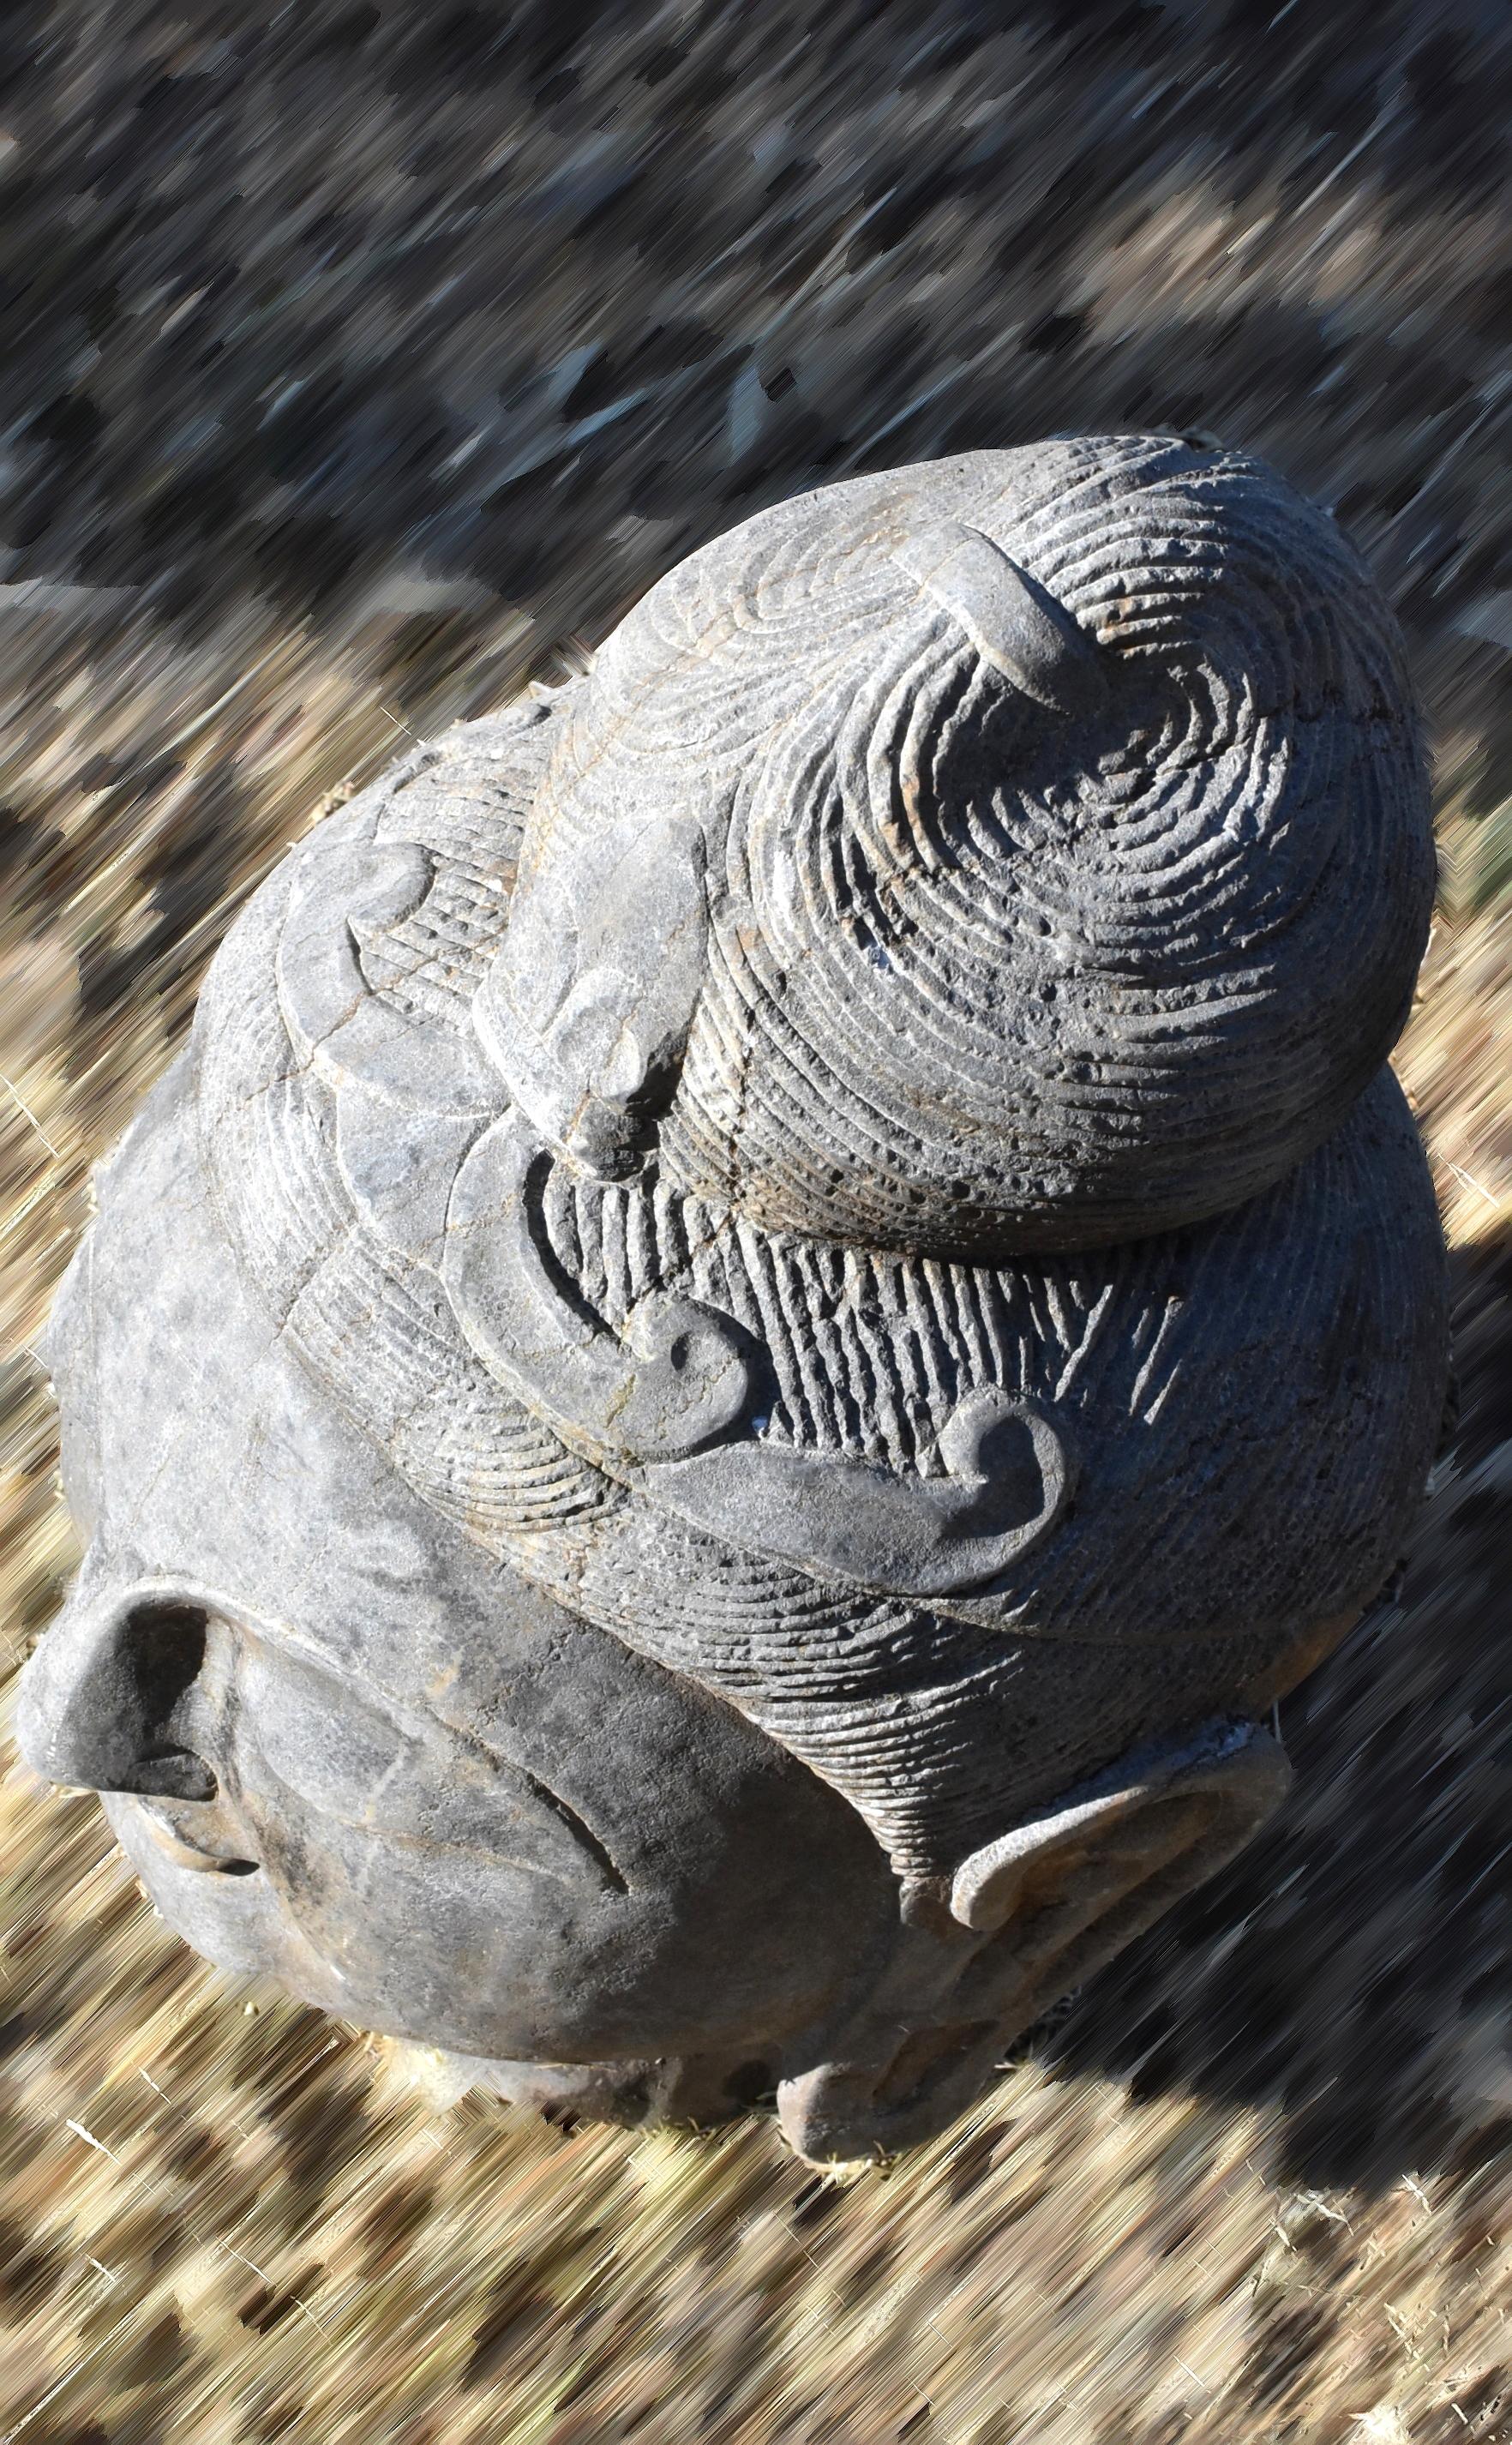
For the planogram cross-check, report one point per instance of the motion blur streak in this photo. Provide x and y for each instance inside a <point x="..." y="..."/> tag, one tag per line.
<point x="360" y="361"/>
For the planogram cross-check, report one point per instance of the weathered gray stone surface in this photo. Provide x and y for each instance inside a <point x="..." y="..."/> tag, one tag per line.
<point x="791" y="1285"/>
<point x="1023" y="851"/>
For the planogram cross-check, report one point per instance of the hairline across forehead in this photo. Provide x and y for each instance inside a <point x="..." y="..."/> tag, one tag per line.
<point x="464" y="1634"/>
<point x="1076" y="1708"/>
<point x="163" y="1496"/>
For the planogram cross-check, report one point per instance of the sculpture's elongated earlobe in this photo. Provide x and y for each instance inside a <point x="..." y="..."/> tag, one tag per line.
<point x="1181" y="1815"/>
<point x="1011" y="619"/>
<point x="1025" y="1919"/>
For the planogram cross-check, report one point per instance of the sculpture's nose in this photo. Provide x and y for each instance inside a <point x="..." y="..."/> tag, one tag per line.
<point x="112" y="1699"/>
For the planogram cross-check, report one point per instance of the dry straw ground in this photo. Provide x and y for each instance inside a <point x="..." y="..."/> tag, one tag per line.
<point x="355" y="358"/>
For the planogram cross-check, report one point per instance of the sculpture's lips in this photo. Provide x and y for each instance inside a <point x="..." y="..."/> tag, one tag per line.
<point x="171" y="1842"/>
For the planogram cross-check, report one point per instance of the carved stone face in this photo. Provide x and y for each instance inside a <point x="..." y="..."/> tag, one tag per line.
<point x="342" y="1746"/>
<point x="815" y="1287"/>
<point x="346" y="1747"/>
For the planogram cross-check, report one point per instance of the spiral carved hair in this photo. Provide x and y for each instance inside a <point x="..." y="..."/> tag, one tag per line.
<point x="1030" y="849"/>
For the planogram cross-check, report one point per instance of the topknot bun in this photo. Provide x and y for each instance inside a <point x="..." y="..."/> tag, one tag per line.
<point x="1026" y="850"/>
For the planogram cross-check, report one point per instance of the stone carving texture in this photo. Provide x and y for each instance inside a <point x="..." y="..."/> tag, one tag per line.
<point x="842" y="1167"/>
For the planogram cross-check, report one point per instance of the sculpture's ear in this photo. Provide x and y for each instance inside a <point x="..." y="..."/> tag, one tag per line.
<point x="1030" y="1916"/>
<point x="1114" y="1858"/>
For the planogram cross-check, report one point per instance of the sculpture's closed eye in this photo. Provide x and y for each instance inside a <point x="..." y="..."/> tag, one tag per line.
<point x="402" y="1777"/>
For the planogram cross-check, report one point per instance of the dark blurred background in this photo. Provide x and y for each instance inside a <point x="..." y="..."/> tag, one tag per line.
<point x="472" y="304"/>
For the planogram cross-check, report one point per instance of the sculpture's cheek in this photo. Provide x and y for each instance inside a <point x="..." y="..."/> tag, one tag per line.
<point x="390" y="1938"/>
<point x="239" y="1923"/>
<point x="487" y="1957"/>
<point x="528" y="1888"/>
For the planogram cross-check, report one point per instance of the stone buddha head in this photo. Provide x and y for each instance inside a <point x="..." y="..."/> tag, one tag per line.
<point x="776" y="1295"/>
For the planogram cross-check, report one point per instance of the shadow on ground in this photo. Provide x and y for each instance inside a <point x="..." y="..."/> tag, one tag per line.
<point x="1354" y="1970"/>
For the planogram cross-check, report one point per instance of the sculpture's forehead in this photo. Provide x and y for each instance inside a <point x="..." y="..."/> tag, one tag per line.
<point x="201" y="1457"/>
<point x="195" y="1447"/>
